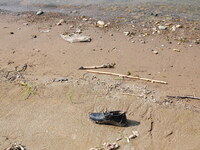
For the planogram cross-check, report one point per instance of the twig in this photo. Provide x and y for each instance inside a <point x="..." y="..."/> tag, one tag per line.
<point x="184" y="97"/>
<point x="126" y="76"/>
<point x="98" y="67"/>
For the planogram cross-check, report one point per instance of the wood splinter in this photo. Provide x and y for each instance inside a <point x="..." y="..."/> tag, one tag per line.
<point x="184" y="97"/>
<point x="127" y="76"/>
<point x="112" y="65"/>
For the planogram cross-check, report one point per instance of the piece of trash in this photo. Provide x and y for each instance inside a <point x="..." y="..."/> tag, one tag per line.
<point x="117" y="118"/>
<point x="16" y="146"/>
<point x="100" y="23"/>
<point x="40" y="12"/>
<point x="72" y="38"/>
<point x="162" y="27"/>
<point x="45" y="31"/>
<point x="60" y="22"/>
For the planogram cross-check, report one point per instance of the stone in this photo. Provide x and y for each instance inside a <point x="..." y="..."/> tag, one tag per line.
<point x="73" y="38"/>
<point x="60" y="22"/>
<point x="162" y="27"/>
<point x="100" y="23"/>
<point x="155" y="52"/>
<point x="176" y="50"/>
<point x="40" y="12"/>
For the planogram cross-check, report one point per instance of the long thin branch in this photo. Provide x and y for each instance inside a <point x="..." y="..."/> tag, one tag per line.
<point x="98" y="67"/>
<point x="184" y="97"/>
<point x="127" y="76"/>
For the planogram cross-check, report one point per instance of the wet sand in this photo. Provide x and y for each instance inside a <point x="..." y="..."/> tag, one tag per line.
<point x="51" y="111"/>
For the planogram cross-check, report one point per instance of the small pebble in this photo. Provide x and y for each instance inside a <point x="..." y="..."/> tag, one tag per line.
<point x="176" y="50"/>
<point x="40" y="12"/>
<point x="155" y="52"/>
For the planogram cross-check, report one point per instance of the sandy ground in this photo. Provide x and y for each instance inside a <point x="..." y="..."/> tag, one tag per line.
<point x="48" y="113"/>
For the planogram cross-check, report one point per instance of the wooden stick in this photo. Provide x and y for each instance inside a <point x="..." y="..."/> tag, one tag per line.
<point x="126" y="76"/>
<point x="97" y="67"/>
<point x="184" y="97"/>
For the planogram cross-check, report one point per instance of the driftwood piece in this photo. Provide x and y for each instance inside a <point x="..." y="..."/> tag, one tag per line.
<point x="127" y="76"/>
<point x="184" y="97"/>
<point x="112" y="65"/>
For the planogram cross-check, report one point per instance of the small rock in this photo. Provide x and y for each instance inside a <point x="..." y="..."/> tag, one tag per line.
<point x="40" y="12"/>
<point x="44" y="31"/>
<point x="173" y="28"/>
<point x="197" y="41"/>
<point x="112" y="146"/>
<point x="100" y="23"/>
<point x="78" y="31"/>
<point x="176" y="50"/>
<point x="155" y="52"/>
<point x="179" y="26"/>
<point x="85" y="19"/>
<point x="127" y="33"/>
<point x="74" y="11"/>
<point x="11" y="32"/>
<point x="162" y="27"/>
<point x="135" y="133"/>
<point x="25" y="24"/>
<point x="60" y="22"/>
<point x="34" y="36"/>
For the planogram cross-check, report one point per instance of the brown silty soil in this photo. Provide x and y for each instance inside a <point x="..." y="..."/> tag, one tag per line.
<point x="45" y="100"/>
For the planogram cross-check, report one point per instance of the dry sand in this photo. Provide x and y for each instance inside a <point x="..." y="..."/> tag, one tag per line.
<point x="55" y="115"/>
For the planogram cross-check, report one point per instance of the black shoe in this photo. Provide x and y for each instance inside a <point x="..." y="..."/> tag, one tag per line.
<point x="117" y="118"/>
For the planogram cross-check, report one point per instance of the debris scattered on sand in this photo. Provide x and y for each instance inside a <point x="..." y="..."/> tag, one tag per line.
<point x="125" y="76"/>
<point x="112" y="65"/>
<point x="40" y="12"/>
<point x="16" y="146"/>
<point x="73" y="38"/>
<point x="60" y="22"/>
